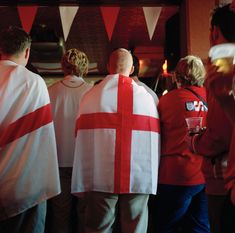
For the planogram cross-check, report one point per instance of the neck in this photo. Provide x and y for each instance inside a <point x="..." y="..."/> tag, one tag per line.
<point x="14" y="58"/>
<point x="221" y="41"/>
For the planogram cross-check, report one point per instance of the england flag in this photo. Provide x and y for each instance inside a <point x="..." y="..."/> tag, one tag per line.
<point x="28" y="159"/>
<point x="117" y="139"/>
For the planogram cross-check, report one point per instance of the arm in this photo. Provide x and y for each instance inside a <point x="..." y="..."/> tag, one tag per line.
<point x="207" y="144"/>
<point x="222" y="87"/>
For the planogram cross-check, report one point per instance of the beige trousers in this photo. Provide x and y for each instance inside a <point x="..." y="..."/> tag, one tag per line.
<point x="106" y="213"/>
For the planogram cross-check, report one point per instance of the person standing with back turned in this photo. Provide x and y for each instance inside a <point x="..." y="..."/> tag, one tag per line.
<point x="222" y="87"/>
<point x="181" y="200"/>
<point x="65" y="97"/>
<point x="214" y="142"/>
<point x="28" y="160"/>
<point x="117" y="149"/>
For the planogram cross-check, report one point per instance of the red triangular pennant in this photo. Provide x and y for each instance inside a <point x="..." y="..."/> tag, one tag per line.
<point x="27" y="15"/>
<point x="109" y="15"/>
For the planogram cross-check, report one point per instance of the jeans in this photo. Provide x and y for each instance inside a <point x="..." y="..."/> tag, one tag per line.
<point x="183" y="208"/>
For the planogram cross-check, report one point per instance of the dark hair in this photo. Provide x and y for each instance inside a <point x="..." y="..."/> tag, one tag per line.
<point x="13" y="40"/>
<point x="224" y="18"/>
<point x="136" y="65"/>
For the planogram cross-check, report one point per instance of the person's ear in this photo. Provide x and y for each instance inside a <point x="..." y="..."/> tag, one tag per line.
<point x="132" y="70"/>
<point x="27" y="53"/>
<point x="214" y="35"/>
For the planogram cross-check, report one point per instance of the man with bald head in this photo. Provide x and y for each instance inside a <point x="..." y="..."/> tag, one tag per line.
<point x="121" y="62"/>
<point x="117" y="150"/>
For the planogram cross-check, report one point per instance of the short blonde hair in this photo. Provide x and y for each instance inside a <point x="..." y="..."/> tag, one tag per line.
<point x="190" y="71"/>
<point x="120" y="62"/>
<point x="75" y="62"/>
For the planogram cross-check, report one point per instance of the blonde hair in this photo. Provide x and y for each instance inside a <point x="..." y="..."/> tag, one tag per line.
<point x="75" y="62"/>
<point x="190" y="71"/>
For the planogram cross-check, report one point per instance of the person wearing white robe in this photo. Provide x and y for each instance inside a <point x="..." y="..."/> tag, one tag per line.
<point x="65" y="97"/>
<point x="116" y="150"/>
<point x="28" y="160"/>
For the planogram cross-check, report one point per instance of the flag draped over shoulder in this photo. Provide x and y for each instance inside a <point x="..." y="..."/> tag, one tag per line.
<point x="28" y="160"/>
<point x="117" y="139"/>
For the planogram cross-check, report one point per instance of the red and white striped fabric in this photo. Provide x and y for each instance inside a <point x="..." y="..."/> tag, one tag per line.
<point x="28" y="161"/>
<point x="117" y="139"/>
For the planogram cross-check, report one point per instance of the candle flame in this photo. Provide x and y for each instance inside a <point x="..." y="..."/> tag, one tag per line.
<point x="164" y="67"/>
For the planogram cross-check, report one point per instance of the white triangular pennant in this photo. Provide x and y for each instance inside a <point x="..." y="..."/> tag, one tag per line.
<point x="67" y="14"/>
<point x="151" y="16"/>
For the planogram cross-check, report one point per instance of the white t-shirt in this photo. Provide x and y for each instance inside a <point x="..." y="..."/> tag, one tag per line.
<point x="65" y="97"/>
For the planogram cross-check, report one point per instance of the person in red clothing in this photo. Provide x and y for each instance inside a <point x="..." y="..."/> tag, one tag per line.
<point x="181" y="190"/>
<point x="222" y="88"/>
<point x="215" y="141"/>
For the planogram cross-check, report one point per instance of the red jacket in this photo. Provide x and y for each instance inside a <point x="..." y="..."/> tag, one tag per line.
<point x="214" y="143"/>
<point x="178" y="165"/>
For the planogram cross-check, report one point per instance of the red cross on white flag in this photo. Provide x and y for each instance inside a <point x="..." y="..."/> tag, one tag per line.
<point x="123" y="126"/>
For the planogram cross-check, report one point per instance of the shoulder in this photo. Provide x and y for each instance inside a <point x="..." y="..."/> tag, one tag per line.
<point x="170" y="95"/>
<point x="88" y="85"/>
<point x="89" y="92"/>
<point x="54" y="86"/>
<point x="31" y="79"/>
<point x="34" y="84"/>
<point x="29" y="75"/>
<point x="173" y="100"/>
<point x="199" y="90"/>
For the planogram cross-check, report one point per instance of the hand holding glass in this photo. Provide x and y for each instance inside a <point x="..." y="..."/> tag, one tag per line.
<point x="222" y="56"/>
<point x="220" y="81"/>
<point x="194" y="124"/>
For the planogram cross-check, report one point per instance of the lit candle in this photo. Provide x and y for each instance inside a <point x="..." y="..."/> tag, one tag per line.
<point x="164" y="68"/>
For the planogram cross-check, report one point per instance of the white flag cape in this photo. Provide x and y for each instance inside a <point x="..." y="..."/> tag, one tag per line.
<point x="28" y="161"/>
<point x="117" y="140"/>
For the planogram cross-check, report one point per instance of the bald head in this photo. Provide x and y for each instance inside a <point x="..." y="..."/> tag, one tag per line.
<point x="120" y="62"/>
